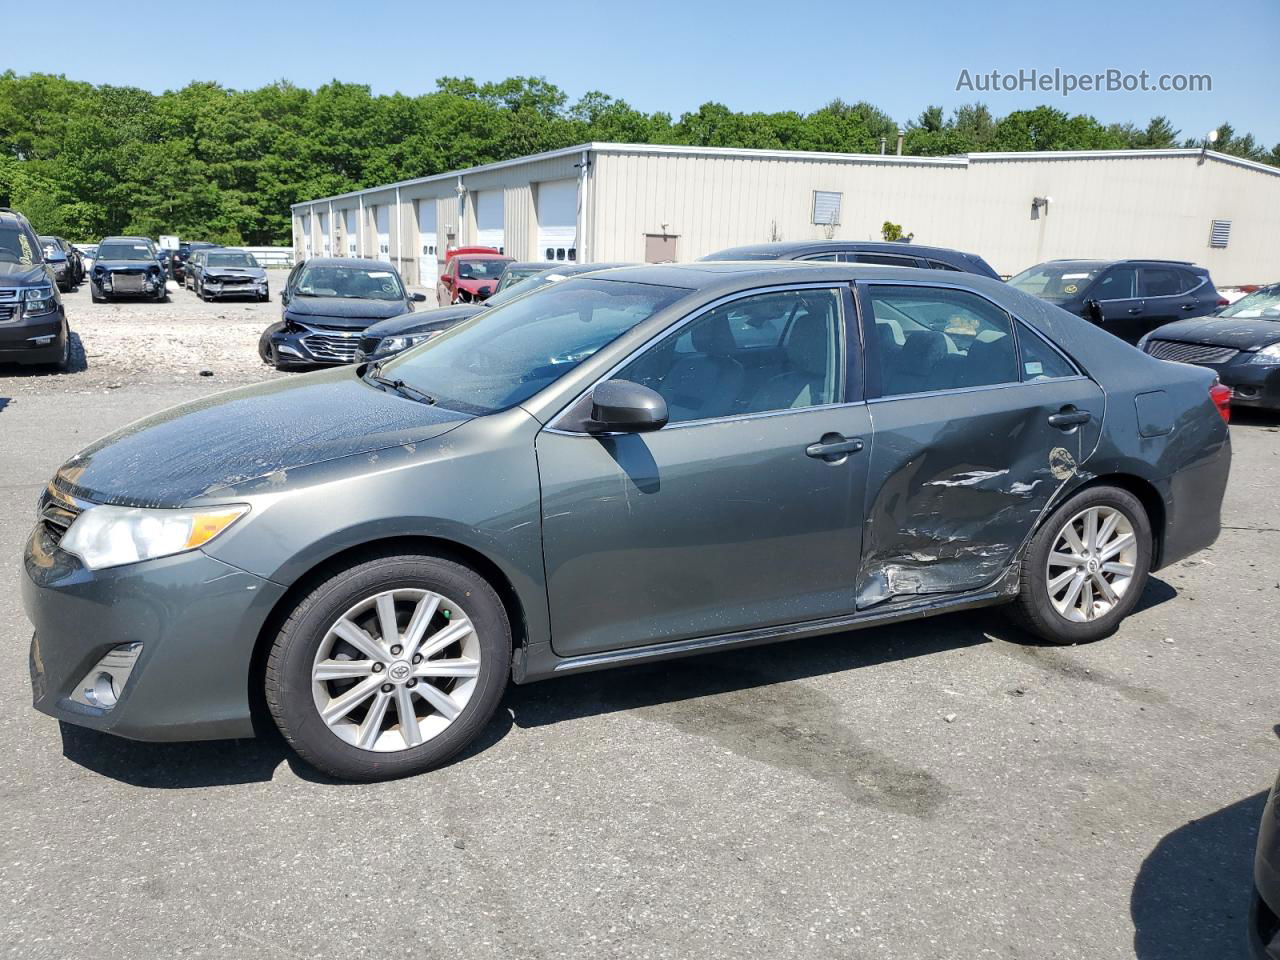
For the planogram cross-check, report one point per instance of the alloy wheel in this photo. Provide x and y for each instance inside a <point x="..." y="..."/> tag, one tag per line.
<point x="396" y="670"/>
<point x="1092" y="563"/>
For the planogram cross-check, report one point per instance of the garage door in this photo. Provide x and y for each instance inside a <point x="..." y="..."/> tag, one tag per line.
<point x="326" y="245"/>
<point x="489" y="230"/>
<point x="382" y="223"/>
<point x="558" y="220"/>
<point x="306" y="236"/>
<point x="351" y="231"/>
<point x="428" y="258"/>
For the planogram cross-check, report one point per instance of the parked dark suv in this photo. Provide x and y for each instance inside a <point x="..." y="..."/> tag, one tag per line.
<point x="1128" y="298"/>
<point x="847" y="251"/>
<point x="33" y="325"/>
<point x="127" y="267"/>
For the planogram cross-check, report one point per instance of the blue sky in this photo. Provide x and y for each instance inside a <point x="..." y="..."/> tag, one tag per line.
<point x="662" y="55"/>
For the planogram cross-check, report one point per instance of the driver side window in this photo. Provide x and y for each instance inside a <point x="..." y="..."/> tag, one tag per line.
<point x="772" y="351"/>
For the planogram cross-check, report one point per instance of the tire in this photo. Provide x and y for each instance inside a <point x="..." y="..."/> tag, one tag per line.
<point x="293" y="694"/>
<point x="64" y="362"/>
<point x="264" y="342"/>
<point x="93" y="296"/>
<point x="1036" y="609"/>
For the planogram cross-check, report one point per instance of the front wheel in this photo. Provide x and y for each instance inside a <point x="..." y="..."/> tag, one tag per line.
<point x="1086" y="567"/>
<point x="390" y="667"/>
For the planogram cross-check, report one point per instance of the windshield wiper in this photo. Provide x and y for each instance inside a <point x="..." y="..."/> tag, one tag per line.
<point x="400" y="387"/>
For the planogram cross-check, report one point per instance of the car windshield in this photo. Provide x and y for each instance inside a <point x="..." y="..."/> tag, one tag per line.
<point x="529" y="284"/>
<point x="1261" y="305"/>
<point x="15" y="247"/>
<point x="232" y="260"/>
<point x="481" y="269"/>
<point x="353" y="283"/>
<point x="511" y="276"/>
<point x="505" y="355"/>
<point x="1055" y="281"/>
<point x="124" y="250"/>
<point x="52" y="249"/>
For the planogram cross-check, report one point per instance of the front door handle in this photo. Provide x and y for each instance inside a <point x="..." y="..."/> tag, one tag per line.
<point x="1135" y="309"/>
<point x="833" y="447"/>
<point x="1069" y="417"/>
<point x="1190" y="306"/>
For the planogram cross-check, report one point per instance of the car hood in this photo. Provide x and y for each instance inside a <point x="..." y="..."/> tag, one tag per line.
<point x="474" y="285"/>
<point x="206" y="447"/>
<point x="1222" y="332"/>
<point x="20" y="274"/>
<point x="258" y="273"/>
<point x="343" y="311"/>
<point x="441" y="317"/>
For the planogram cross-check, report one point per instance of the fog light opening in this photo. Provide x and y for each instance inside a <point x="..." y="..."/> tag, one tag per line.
<point x="102" y="692"/>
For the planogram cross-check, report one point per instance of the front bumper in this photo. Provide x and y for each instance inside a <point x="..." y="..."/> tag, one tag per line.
<point x="1252" y="384"/>
<point x="110" y="286"/>
<point x="197" y="619"/>
<point x="38" y="340"/>
<point x="221" y="291"/>
<point x="299" y="345"/>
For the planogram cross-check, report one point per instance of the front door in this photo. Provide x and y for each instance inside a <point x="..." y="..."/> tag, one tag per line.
<point x="977" y="423"/>
<point x="743" y="512"/>
<point x="1118" y="295"/>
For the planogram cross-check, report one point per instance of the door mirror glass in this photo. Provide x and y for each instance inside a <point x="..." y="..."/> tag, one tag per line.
<point x="419" y="298"/>
<point x="620" y="406"/>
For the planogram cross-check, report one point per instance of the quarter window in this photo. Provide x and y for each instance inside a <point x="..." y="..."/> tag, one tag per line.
<point x="773" y="351"/>
<point x="1039" y="360"/>
<point x="931" y="339"/>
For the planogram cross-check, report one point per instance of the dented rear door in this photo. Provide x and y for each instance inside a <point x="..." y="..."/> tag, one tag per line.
<point x="958" y="477"/>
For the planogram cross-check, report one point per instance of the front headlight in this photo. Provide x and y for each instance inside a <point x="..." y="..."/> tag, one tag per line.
<point x="39" y="301"/>
<point x="396" y="344"/>
<point x="1269" y="354"/>
<point x="107" y="536"/>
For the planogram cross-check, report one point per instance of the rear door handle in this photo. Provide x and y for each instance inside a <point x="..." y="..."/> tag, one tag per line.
<point x="1135" y="309"/>
<point x="1069" y="417"/>
<point x="833" y="447"/>
<point x="1190" y="306"/>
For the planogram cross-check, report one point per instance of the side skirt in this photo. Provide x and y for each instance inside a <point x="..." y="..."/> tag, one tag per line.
<point x="540" y="663"/>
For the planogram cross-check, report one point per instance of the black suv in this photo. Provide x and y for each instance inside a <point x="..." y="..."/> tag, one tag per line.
<point x="1128" y="298"/>
<point x="33" y="324"/>
<point x="127" y="267"/>
<point x="858" y="251"/>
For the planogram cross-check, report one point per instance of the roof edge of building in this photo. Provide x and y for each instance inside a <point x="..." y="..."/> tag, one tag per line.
<point x="962" y="160"/>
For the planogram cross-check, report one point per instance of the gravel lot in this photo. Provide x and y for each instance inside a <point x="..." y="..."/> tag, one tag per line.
<point x="945" y="788"/>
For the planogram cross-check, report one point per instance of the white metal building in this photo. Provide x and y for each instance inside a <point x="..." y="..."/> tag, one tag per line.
<point x="602" y="202"/>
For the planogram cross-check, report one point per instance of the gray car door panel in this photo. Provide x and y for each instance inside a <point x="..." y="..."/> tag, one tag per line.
<point x="700" y="529"/>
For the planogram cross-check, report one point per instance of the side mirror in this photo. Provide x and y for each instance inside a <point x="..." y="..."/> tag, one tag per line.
<point x="284" y="296"/>
<point x="1093" y="311"/>
<point x="620" y="406"/>
<point x="418" y="298"/>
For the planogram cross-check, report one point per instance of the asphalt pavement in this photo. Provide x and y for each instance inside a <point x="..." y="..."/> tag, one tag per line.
<point x="946" y="788"/>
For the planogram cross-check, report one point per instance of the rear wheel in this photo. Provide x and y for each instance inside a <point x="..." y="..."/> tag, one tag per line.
<point x="389" y="668"/>
<point x="1086" y="567"/>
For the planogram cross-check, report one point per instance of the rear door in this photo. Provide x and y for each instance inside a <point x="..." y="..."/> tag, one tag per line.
<point x="1163" y="296"/>
<point x="976" y="423"/>
<point x="1117" y="293"/>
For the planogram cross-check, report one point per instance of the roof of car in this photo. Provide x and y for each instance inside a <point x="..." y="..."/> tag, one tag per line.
<point x="359" y="263"/>
<point x="530" y="265"/>
<point x="480" y="256"/>
<point x="784" y="248"/>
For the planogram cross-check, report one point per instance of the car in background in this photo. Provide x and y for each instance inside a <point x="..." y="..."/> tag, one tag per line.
<point x="516" y="271"/>
<point x="857" y="251"/>
<point x="231" y="273"/>
<point x="389" y="337"/>
<point x="1127" y="298"/>
<point x="623" y="468"/>
<point x="191" y="269"/>
<point x="60" y="261"/>
<point x="127" y="267"/>
<point x="327" y="302"/>
<point x="163" y="255"/>
<point x="1264" y="912"/>
<point x="470" y="276"/>
<point x="179" y="257"/>
<point x="1241" y="344"/>
<point x="88" y="253"/>
<point x="33" y="323"/>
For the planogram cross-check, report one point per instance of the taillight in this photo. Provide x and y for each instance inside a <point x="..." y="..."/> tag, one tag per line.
<point x="1223" y="302"/>
<point x="1221" y="397"/>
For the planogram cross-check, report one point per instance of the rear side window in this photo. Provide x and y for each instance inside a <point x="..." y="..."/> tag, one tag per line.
<point x="1190" y="280"/>
<point x="932" y="339"/>
<point x="884" y="259"/>
<point x="1161" y="282"/>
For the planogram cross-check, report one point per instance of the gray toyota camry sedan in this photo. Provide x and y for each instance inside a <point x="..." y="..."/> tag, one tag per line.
<point x="646" y="463"/>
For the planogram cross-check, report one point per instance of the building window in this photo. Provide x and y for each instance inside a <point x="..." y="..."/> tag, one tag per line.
<point x="826" y="208"/>
<point x="1219" y="233"/>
